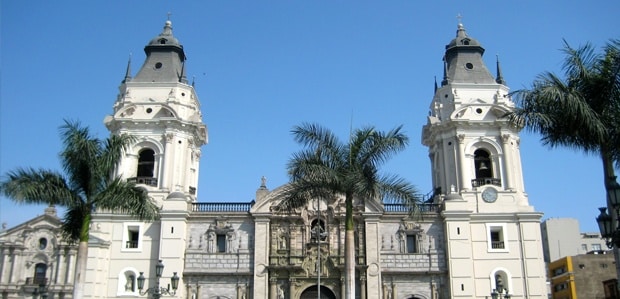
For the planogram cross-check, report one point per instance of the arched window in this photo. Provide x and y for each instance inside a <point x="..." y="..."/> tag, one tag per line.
<point x="39" y="273"/>
<point x="127" y="280"/>
<point x="146" y="163"/>
<point x="482" y="163"/>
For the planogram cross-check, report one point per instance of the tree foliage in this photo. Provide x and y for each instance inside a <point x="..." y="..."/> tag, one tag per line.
<point x="580" y="110"/>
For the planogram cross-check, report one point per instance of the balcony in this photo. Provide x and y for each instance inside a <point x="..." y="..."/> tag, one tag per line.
<point x="401" y="208"/>
<point x="131" y="244"/>
<point x="222" y="206"/>
<point x="497" y="244"/>
<point x="144" y="180"/>
<point x="36" y="281"/>
<point x="486" y="181"/>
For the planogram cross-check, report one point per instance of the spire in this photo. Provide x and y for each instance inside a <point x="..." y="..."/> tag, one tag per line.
<point x="499" y="79"/>
<point x="435" y="83"/>
<point x="128" y="71"/>
<point x="445" y="80"/>
<point x="460" y="31"/>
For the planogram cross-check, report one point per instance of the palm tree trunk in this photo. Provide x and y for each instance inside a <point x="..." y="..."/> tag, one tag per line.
<point x="82" y="259"/>
<point x="349" y="249"/>
<point x="80" y="270"/>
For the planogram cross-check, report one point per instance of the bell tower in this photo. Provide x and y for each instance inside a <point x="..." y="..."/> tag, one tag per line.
<point x="474" y="151"/>
<point x="162" y="111"/>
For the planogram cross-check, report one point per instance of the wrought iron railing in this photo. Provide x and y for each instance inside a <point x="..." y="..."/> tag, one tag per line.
<point x="131" y="244"/>
<point x="486" y="181"/>
<point x="36" y="281"/>
<point x="401" y="208"/>
<point x="144" y="180"/>
<point x="222" y="206"/>
<point x="497" y="244"/>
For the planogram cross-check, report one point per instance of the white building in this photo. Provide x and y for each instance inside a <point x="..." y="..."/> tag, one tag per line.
<point x="477" y="228"/>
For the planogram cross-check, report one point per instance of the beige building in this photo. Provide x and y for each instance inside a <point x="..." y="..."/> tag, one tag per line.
<point x="34" y="257"/>
<point x="477" y="229"/>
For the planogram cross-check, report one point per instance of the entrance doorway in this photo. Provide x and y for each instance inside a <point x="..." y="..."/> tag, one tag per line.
<point x="312" y="293"/>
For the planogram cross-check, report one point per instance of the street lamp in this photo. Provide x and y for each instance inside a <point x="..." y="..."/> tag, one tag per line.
<point x="610" y="229"/>
<point x="40" y="291"/>
<point x="158" y="291"/>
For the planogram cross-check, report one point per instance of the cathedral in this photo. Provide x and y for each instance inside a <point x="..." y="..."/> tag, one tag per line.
<point x="476" y="233"/>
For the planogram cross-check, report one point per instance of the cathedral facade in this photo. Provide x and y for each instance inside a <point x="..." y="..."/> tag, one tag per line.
<point x="475" y="234"/>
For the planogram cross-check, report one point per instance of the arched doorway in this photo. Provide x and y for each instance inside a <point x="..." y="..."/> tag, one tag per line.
<point x="312" y="293"/>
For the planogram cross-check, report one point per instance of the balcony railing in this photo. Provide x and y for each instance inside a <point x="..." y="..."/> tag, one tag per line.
<point x="497" y="244"/>
<point x="131" y="244"/>
<point x="401" y="208"/>
<point x="144" y="180"/>
<point x="486" y="181"/>
<point x="222" y="206"/>
<point x="36" y="281"/>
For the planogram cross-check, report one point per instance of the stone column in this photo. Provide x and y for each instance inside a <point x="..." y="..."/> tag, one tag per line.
<point x="15" y="267"/>
<point x="464" y="184"/>
<point x="70" y="266"/>
<point x="165" y="161"/>
<point x="291" y="287"/>
<point x="198" y="291"/>
<point x="188" y="291"/>
<point x="363" y="286"/>
<point x="273" y="290"/>
<point x="373" y="255"/>
<point x="342" y="288"/>
<point x="3" y="265"/>
<point x="261" y="284"/>
<point x="507" y="165"/>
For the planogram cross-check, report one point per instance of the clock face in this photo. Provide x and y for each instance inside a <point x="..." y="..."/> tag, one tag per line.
<point x="489" y="195"/>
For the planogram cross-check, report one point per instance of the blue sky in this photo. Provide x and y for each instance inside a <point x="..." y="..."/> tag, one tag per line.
<point x="261" y="67"/>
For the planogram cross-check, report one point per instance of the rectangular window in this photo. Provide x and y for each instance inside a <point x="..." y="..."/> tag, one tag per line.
<point x="132" y="236"/>
<point x="412" y="244"/>
<point x="221" y="243"/>
<point x="497" y="242"/>
<point x="596" y="246"/>
<point x="584" y="247"/>
<point x="496" y="237"/>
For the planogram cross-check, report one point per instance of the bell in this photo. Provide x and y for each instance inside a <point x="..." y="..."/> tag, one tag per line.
<point x="483" y="166"/>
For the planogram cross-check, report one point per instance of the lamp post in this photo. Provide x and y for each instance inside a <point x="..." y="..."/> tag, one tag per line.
<point x="609" y="224"/>
<point x="158" y="291"/>
<point x="40" y="291"/>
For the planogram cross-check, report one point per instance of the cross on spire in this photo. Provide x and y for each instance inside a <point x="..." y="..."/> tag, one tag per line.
<point x="169" y="14"/>
<point x="460" y="18"/>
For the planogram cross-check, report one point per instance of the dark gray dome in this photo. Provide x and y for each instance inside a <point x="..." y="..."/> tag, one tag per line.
<point x="462" y="39"/>
<point x="165" y="38"/>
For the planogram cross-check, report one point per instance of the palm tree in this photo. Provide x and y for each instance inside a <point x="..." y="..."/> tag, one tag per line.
<point x="581" y="111"/>
<point x="87" y="185"/>
<point x="327" y="168"/>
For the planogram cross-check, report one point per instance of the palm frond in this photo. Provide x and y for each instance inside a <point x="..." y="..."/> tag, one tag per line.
<point x="39" y="186"/>
<point x="127" y="198"/>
